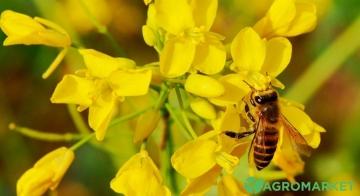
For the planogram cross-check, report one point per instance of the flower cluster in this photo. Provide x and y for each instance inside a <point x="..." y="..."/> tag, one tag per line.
<point x="209" y="82"/>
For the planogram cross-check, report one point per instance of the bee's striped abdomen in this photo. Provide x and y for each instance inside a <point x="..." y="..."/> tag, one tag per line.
<point x="265" y="146"/>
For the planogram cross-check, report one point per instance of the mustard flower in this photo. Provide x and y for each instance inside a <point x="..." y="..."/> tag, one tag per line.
<point x="46" y="173"/>
<point x="251" y="53"/>
<point x="187" y="43"/>
<point x="287" y="156"/>
<point x="106" y="81"/>
<point x="139" y="176"/>
<point x="202" y="160"/>
<point x="287" y="18"/>
<point x="22" y="29"/>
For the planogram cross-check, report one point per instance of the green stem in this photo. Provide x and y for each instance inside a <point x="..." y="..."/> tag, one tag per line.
<point x="178" y="121"/>
<point x="50" y="137"/>
<point x="323" y="67"/>
<point x="170" y="151"/>
<point x="162" y="97"/>
<point x="129" y="116"/>
<point x="102" y="29"/>
<point x="77" y="119"/>
<point x="82" y="142"/>
<point x="183" y="114"/>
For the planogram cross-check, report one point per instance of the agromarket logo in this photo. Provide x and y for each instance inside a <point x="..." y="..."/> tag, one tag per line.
<point x="256" y="185"/>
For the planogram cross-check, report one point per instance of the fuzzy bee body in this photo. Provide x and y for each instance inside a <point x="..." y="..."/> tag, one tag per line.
<point x="263" y="112"/>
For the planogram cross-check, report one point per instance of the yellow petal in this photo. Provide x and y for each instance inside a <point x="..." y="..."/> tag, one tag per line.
<point x="226" y="161"/>
<point x="228" y="121"/>
<point x="278" y="55"/>
<point x="34" y="182"/>
<point x="203" y="108"/>
<point x="210" y="56"/>
<point x="149" y="35"/>
<point x="100" y="114"/>
<point x="130" y="82"/>
<point x="46" y="173"/>
<point x="176" y="57"/>
<point x="175" y="16"/>
<point x="22" y="29"/>
<point x="232" y="95"/>
<point x="299" y="119"/>
<point x="73" y="90"/>
<point x="228" y="185"/>
<point x="58" y="161"/>
<point x="304" y="21"/>
<point x="204" y="12"/>
<point x="287" y="158"/>
<point x="277" y="19"/>
<point x="194" y="158"/>
<point x="203" y="183"/>
<point x="313" y="139"/>
<point x="248" y="51"/>
<point x="139" y="170"/>
<point x="146" y="124"/>
<point x="281" y="13"/>
<point x="203" y="86"/>
<point x="102" y="65"/>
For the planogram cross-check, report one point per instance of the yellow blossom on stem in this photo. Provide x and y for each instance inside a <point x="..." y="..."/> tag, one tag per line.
<point x="106" y="81"/>
<point x="287" y="156"/>
<point x="46" y="173"/>
<point x="253" y="54"/>
<point x="187" y="44"/>
<point x="287" y="18"/>
<point x="139" y="176"/>
<point x="22" y="29"/>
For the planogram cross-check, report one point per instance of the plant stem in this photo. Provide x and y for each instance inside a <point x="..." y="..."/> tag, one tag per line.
<point x="323" y="67"/>
<point x="129" y="116"/>
<point x="183" y="114"/>
<point x="177" y="121"/>
<point x="39" y="135"/>
<point x="82" y="141"/>
<point x="77" y="119"/>
<point x="170" y="151"/>
<point x="102" y="29"/>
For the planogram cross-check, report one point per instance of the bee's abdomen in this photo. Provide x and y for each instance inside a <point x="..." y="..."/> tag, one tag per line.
<point x="265" y="146"/>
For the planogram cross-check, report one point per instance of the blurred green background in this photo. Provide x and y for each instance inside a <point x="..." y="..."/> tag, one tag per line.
<point x="24" y="95"/>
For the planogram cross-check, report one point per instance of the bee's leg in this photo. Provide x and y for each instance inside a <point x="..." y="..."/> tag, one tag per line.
<point x="238" y="135"/>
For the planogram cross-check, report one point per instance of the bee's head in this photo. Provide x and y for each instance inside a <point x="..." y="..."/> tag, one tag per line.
<point x="258" y="97"/>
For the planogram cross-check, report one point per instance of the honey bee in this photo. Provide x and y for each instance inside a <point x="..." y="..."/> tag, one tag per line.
<point x="263" y="111"/>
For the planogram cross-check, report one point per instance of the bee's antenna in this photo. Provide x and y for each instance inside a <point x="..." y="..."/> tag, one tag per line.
<point x="252" y="88"/>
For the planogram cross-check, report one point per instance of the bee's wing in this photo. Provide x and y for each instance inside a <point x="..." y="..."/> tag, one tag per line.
<point x="297" y="141"/>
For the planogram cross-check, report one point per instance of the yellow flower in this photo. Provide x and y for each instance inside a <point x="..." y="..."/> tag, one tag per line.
<point x="106" y="81"/>
<point x="203" y="86"/>
<point x="201" y="160"/>
<point x="46" y="173"/>
<point x="22" y="29"/>
<point x="252" y="54"/>
<point x="228" y="185"/>
<point x="286" y="156"/>
<point x="287" y="18"/>
<point x="188" y="44"/>
<point x="139" y="176"/>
